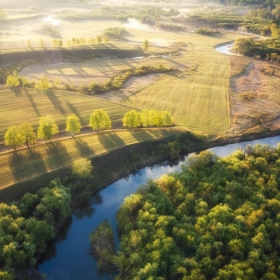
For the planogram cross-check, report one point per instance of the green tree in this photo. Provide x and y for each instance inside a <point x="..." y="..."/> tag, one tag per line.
<point x="13" y="137"/>
<point x="27" y="133"/>
<point x="166" y="119"/>
<point x="100" y="120"/>
<point x="98" y="39"/>
<point x="82" y="168"/>
<point x="43" y="84"/>
<point x="145" y="44"/>
<point x="2" y="13"/>
<point x="106" y="39"/>
<point x="13" y="81"/>
<point x="29" y="44"/>
<point x="41" y="44"/>
<point x="47" y="128"/>
<point x="132" y="119"/>
<point x="73" y="124"/>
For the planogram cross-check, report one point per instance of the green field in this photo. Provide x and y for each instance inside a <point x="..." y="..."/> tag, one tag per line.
<point x="19" y="105"/>
<point x="29" y="163"/>
<point x="197" y="97"/>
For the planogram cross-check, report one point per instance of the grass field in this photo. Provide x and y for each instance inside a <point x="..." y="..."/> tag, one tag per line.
<point x="28" y="163"/>
<point x="21" y="105"/>
<point x="197" y="98"/>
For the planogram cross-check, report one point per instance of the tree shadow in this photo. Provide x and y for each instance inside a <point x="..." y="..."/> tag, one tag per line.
<point x="83" y="147"/>
<point x="97" y="199"/>
<point x="33" y="104"/>
<point x="74" y="110"/>
<point x="26" y="163"/>
<point x="17" y="91"/>
<point x="84" y="210"/>
<point x="57" y="153"/>
<point x="55" y="101"/>
<point x="110" y="140"/>
<point x="141" y="135"/>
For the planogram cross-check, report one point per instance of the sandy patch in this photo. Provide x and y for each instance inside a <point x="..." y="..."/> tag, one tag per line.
<point x="254" y="104"/>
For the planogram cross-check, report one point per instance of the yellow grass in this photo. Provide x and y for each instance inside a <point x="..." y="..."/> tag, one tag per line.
<point x="27" y="163"/>
<point x="19" y="105"/>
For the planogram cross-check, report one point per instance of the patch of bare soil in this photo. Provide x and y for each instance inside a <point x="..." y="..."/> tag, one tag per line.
<point x="133" y="84"/>
<point x="254" y="107"/>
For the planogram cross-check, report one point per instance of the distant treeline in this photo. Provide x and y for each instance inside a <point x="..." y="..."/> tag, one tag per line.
<point x="265" y="49"/>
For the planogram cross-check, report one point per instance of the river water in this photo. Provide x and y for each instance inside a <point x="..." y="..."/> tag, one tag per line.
<point x="225" y="49"/>
<point x="67" y="258"/>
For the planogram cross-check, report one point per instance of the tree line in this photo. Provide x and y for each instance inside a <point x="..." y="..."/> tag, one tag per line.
<point x="98" y="121"/>
<point x="217" y="219"/>
<point x="268" y="49"/>
<point x="147" y="118"/>
<point x="114" y="83"/>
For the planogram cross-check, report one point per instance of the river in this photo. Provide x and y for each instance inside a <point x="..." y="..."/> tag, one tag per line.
<point x="67" y="258"/>
<point x="225" y="49"/>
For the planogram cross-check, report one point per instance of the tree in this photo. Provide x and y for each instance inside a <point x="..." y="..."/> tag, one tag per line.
<point x="98" y="39"/>
<point x="166" y="119"/>
<point x="73" y="124"/>
<point x="100" y="120"/>
<point x="145" y="44"/>
<point x="47" y="128"/>
<point x="13" y="81"/>
<point x="2" y="13"/>
<point x="82" y="168"/>
<point x="27" y="133"/>
<point x="41" y="43"/>
<point x="29" y="44"/>
<point x="106" y="39"/>
<point x="43" y="84"/>
<point x="13" y="137"/>
<point x="132" y="119"/>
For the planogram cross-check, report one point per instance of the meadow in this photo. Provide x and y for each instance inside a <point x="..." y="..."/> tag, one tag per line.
<point x="19" y="105"/>
<point x="27" y="164"/>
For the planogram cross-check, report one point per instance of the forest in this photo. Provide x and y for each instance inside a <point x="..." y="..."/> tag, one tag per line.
<point x="217" y="219"/>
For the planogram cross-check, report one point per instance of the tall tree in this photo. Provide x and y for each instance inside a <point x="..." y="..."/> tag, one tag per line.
<point x="73" y="124"/>
<point x="27" y="133"/>
<point x="43" y="84"/>
<point x="13" y="81"/>
<point x="13" y="137"/>
<point x="132" y="119"/>
<point x="145" y="44"/>
<point x="100" y="120"/>
<point x="98" y="39"/>
<point x="82" y="168"/>
<point x="47" y="128"/>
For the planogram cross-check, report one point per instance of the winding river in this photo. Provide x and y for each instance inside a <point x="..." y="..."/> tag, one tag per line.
<point x="67" y="258"/>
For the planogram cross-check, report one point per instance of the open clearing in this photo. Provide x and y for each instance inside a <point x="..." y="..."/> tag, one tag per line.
<point x="254" y="95"/>
<point x="98" y="70"/>
<point x="197" y="98"/>
<point x="29" y="105"/>
<point x="28" y="163"/>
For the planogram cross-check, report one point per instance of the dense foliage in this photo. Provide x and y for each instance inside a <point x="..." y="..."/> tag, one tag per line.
<point x="268" y="48"/>
<point x="217" y="219"/>
<point x="114" y="83"/>
<point x="114" y="32"/>
<point x="143" y="13"/>
<point x="27" y="225"/>
<point x="147" y="118"/>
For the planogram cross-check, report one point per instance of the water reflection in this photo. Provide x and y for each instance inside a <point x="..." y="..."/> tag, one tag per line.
<point x="67" y="258"/>
<point x="85" y="210"/>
